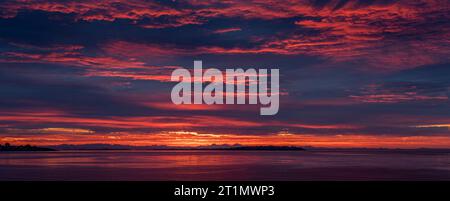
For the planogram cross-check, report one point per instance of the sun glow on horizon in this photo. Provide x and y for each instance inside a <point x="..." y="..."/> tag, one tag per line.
<point x="192" y="138"/>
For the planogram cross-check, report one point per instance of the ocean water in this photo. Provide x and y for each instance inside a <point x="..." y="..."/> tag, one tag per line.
<point x="162" y="165"/>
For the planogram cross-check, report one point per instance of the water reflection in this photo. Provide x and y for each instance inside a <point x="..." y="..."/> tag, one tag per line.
<point x="222" y="165"/>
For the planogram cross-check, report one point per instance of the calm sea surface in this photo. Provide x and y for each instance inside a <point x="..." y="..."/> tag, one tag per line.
<point x="224" y="165"/>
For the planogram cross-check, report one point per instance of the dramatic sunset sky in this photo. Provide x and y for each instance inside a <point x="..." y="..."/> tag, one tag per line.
<point x="353" y="73"/>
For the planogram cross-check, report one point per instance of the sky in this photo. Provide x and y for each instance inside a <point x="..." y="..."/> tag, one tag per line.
<point x="353" y="73"/>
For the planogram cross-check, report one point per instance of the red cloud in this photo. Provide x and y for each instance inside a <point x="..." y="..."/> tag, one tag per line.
<point x="226" y="30"/>
<point x="390" y="36"/>
<point x="382" y="94"/>
<point x="161" y="122"/>
<point x="70" y="58"/>
<point x="102" y="66"/>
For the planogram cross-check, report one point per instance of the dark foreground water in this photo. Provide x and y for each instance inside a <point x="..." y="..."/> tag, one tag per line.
<point x="225" y="165"/>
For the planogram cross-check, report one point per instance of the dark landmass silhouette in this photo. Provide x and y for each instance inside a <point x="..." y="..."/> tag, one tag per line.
<point x="8" y="147"/>
<point x="62" y="147"/>
<point x="164" y="147"/>
<point x="269" y="148"/>
<point x="107" y="147"/>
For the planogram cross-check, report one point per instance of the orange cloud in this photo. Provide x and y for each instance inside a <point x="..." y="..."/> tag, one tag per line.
<point x="185" y="138"/>
<point x="396" y="98"/>
<point x="381" y="94"/>
<point x="227" y="30"/>
<point x="434" y="126"/>
<point x="100" y="66"/>
<point x="151" y="122"/>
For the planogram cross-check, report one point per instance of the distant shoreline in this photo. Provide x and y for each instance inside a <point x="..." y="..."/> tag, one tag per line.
<point x="224" y="147"/>
<point x="206" y="148"/>
<point x="8" y="147"/>
<point x="91" y="147"/>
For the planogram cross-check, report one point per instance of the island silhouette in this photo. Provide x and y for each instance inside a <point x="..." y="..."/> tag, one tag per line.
<point x="9" y="147"/>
